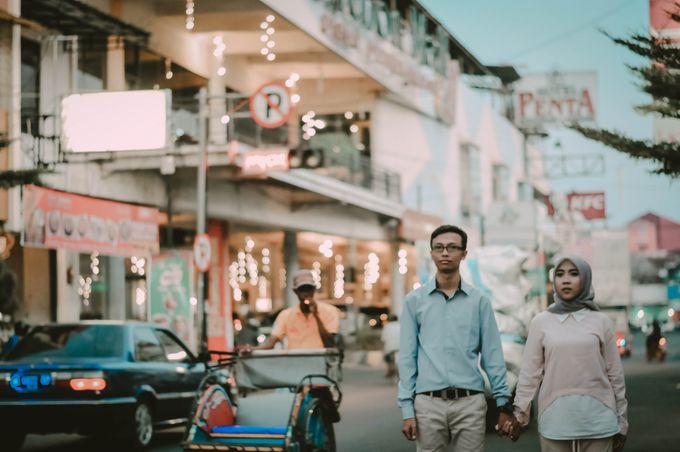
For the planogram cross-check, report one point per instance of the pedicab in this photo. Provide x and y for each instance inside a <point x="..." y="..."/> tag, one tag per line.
<point x="269" y="400"/>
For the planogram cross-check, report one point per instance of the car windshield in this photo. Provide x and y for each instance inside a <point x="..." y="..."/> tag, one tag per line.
<point x="70" y="341"/>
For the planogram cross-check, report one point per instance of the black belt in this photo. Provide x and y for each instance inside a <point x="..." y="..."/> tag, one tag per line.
<point x="451" y="393"/>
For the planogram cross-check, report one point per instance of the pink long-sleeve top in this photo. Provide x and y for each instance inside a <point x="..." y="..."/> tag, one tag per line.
<point x="571" y="357"/>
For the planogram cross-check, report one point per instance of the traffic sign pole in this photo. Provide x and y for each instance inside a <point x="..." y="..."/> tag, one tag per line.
<point x="202" y="280"/>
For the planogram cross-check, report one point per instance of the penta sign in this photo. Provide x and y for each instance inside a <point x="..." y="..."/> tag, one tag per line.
<point x="556" y="98"/>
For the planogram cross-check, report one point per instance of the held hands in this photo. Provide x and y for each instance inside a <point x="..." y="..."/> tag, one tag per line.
<point x="508" y="426"/>
<point x="409" y="429"/>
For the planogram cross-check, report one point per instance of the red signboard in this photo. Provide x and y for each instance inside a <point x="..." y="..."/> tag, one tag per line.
<point x="660" y="23"/>
<point x="56" y="219"/>
<point x="588" y="206"/>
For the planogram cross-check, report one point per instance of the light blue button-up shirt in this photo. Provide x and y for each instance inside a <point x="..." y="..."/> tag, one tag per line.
<point x="442" y="339"/>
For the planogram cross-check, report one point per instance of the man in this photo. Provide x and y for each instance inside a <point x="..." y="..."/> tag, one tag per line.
<point x="390" y="340"/>
<point x="445" y="326"/>
<point x="20" y="330"/>
<point x="309" y="324"/>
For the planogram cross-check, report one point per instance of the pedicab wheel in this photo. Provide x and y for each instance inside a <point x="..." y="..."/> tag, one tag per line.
<point x="12" y="441"/>
<point x="318" y="429"/>
<point x="142" y="431"/>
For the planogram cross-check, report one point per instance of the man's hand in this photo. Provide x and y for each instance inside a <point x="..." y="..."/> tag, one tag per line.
<point x="313" y="308"/>
<point x="409" y="429"/>
<point x="509" y="426"/>
<point x="244" y="349"/>
<point x="619" y="442"/>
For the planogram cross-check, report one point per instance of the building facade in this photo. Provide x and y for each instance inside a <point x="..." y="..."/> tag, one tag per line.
<point x="385" y="141"/>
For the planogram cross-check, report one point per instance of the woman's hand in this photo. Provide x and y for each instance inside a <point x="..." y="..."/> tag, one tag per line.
<point x="619" y="442"/>
<point x="509" y="426"/>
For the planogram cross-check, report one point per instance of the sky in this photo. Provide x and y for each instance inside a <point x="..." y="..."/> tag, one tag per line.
<point x="537" y="36"/>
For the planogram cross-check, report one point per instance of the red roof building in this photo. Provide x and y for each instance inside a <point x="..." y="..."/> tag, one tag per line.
<point x="651" y="232"/>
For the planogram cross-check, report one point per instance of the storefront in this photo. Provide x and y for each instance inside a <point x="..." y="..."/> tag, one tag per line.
<point x="380" y="119"/>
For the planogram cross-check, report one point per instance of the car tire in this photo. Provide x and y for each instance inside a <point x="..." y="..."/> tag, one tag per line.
<point x="142" y="429"/>
<point x="12" y="441"/>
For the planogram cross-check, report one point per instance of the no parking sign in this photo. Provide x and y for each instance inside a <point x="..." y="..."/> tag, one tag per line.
<point x="202" y="252"/>
<point x="270" y="106"/>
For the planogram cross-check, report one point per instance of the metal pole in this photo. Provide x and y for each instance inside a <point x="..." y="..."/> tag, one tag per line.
<point x="201" y="208"/>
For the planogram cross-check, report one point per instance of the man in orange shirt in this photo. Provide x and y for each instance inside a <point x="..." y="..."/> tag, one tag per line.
<point x="309" y="324"/>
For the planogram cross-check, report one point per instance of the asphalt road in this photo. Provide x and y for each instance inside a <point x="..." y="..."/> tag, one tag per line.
<point x="371" y="421"/>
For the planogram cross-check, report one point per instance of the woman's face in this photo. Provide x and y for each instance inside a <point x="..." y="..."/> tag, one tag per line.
<point x="567" y="281"/>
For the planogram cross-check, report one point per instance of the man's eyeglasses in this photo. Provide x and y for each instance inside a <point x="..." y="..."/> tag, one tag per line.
<point x="450" y="248"/>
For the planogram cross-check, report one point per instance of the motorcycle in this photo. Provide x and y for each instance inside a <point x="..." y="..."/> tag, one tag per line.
<point x="656" y="349"/>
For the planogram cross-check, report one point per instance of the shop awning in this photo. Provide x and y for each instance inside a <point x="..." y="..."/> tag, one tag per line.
<point x="340" y="191"/>
<point x="11" y="18"/>
<point x="417" y="225"/>
<point x="73" y="17"/>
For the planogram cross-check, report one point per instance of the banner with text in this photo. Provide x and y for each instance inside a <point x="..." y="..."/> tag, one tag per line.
<point x="577" y="206"/>
<point x="170" y="295"/>
<point x="556" y="98"/>
<point x="56" y="219"/>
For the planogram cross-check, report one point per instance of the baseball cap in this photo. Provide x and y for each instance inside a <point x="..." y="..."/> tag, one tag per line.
<point x="303" y="278"/>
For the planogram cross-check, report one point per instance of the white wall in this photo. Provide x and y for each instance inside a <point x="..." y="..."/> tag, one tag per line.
<point x="425" y="152"/>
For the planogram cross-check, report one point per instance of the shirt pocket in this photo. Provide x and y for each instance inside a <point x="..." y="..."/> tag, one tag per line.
<point x="467" y="322"/>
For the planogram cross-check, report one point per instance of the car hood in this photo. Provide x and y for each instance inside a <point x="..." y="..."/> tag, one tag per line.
<point x="62" y="363"/>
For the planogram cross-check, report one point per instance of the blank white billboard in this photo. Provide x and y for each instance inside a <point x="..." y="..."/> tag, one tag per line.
<point x="115" y="121"/>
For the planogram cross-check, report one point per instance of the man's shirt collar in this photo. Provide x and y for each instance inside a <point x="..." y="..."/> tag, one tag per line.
<point x="432" y="285"/>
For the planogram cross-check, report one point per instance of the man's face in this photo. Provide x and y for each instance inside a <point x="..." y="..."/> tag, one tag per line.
<point x="305" y="293"/>
<point x="447" y="252"/>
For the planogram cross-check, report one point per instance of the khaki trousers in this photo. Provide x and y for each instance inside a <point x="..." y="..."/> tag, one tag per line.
<point x="450" y="425"/>
<point x="577" y="445"/>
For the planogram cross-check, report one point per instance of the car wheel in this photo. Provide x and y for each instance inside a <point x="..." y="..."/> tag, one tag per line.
<point x="142" y="426"/>
<point x="12" y="441"/>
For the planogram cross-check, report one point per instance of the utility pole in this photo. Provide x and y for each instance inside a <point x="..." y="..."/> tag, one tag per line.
<point x="201" y="179"/>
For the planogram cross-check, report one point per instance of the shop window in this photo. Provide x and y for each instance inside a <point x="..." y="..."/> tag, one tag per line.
<point x="470" y="180"/>
<point x="93" y="286"/>
<point x="30" y="86"/>
<point x="145" y="69"/>
<point x="136" y="293"/>
<point x="91" y="64"/>
<point x="501" y="182"/>
<point x="147" y="346"/>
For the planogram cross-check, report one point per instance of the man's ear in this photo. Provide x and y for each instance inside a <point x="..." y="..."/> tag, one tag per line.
<point x="464" y="254"/>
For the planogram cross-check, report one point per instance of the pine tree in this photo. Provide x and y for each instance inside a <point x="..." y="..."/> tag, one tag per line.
<point x="660" y="79"/>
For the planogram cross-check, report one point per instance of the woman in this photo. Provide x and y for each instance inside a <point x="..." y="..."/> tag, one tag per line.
<point x="571" y="356"/>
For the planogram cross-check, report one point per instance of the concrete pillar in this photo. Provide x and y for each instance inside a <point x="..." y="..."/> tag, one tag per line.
<point x="35" y="291"/>
<point x="290" y="256"/>
<point x="59" y="59"/>
<point x="68" y="300"/>
<point x="115" y="64"/>
<point x="217" y="130"/>
<point x="10" y="70"/>
<point x="397" y="279"/>
<point x="116" y="281"/>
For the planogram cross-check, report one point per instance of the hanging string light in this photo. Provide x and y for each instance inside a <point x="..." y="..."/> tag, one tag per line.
<point x="218" y="53"/>
<point x="267" y="38"/>
<point x="189" y="11"/>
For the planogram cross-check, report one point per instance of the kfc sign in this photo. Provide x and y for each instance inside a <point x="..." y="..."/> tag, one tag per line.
<point x="574" y="206"/>
<point x="555" y="99"/>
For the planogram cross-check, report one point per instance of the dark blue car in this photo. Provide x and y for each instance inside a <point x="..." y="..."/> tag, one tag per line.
<point x="96" y="378"/>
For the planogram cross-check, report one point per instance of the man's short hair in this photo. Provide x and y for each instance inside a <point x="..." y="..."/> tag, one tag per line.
<point x="443" y="229"/>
